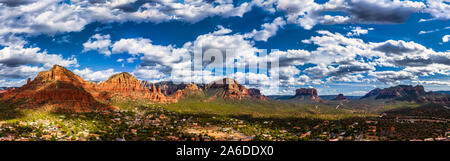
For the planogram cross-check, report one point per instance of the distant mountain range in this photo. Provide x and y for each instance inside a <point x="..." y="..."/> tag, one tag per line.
<point x="408" y="93"/>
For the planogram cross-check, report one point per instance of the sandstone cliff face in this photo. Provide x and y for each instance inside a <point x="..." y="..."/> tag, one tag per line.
<point x="127" y="86"/>
<point x="57" y="73"/>
<point x="256" y="93"/>
<point x="189" y="90"/>
<point x="59" y="88"/>
<point x="340" y="97"/>
<point x="307" y="94"/>
<point x="63" y="89"/>
<point x="168" y="88"/>
<point x="228" y="88"/>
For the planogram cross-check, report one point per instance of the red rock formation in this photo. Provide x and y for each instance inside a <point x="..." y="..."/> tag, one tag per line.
<point x="192" y="87"/>
<point x="4" y="90"/>
<point x="340" y="97"/>
<point x="401" y="91"/>
<point x="372" y="93"/>
<point x="408" y="93"/>
<point x="190" y="90"/>
<point x="169" y="88"/>
<point x="63" y="89"/>
<point x="58" y="88"/>
<point x="229" y="88"/>
<point x="256" y="93"/>
<point x="307" y="94"/>
<point x="127" y="86"/>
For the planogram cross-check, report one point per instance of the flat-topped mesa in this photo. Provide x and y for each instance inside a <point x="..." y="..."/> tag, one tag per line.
<point x="232" y="89"/>
<point x="340" y="97"/>
<point x="307" y="94"/>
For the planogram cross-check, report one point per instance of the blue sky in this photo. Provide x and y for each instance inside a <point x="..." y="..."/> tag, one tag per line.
<point x="336" y="46"/>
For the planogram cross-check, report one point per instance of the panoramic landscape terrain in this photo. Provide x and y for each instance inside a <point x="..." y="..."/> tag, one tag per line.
<point x="59" y="105"/>
<point x="225" y="70"/>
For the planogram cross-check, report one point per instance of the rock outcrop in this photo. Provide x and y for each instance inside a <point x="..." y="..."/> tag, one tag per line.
<point x="397" y="92"/>
<point x="230" y="89"/>
<point x="307" y="94"/>
<point x="59" y="88"/>
<point x="127" y="86"/>
<point x="65" y="90"/>
<point x="256" y="93"/>
<point x="340" y="97"/>
<point x="408" y="93"/>
<point x="189" y="90"/>
<point x="5" y="89"/>
<point x="168" y="88"/>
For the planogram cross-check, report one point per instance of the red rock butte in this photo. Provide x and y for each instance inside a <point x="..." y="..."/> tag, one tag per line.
<point x="65" y="90"/>
<point x="340" y="97"/>
<point x="307" y="94"/>
<point x="233" y="90"/>
<point x="57" y="87"/>
<point x="127" y="86"/>
<point x="190" y="90"/>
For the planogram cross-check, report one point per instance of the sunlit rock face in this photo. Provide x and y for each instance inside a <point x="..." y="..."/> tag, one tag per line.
<point x="127" y="86"/>
<point x="189" y="90"/>
<point x="58" y="88"/>
<point x="307" y="94"/>
<point x="65" y="90"/>
<point x="228" y="88"/>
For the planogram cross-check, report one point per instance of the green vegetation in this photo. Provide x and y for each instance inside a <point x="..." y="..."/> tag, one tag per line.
<point x="265" y="109"/>
<point x="220" y="119"/>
